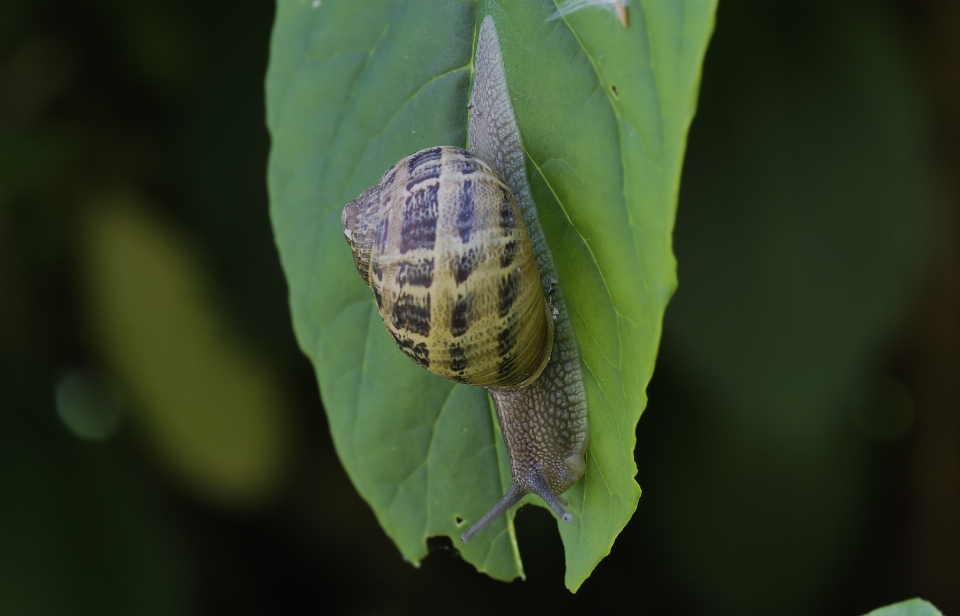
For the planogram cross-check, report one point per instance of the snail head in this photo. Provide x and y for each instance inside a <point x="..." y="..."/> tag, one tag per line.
<point x="360" y="228"/>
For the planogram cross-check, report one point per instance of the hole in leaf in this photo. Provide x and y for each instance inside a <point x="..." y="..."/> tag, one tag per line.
<point x="458" y="520"/>
<point x="613" y="90"/>
<point x="443" y="545"/>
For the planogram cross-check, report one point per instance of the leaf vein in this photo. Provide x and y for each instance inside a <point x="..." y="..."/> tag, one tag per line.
<point x="396" y="114"/>
<point x="606" y="286"/>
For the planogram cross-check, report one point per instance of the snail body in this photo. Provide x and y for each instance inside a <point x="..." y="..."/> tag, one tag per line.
<point x="450" y="243"/>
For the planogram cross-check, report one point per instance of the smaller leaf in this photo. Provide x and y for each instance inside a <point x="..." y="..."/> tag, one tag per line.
<point x="912" y="607"/>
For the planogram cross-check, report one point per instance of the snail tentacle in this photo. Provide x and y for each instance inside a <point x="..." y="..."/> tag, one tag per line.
<point x="538" y="485"/>
<point x="511" y="498"/>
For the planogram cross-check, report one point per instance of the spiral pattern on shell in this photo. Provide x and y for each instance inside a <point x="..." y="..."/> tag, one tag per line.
<point x="442" y="243"/>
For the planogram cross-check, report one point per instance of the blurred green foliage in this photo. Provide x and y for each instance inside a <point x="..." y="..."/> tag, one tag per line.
<point x="212" y="410"/>
<point x="79" y="532"/>
<point x="109" y="316"/>
<point x="800" y="449"/>
<point x="798" y="239"/>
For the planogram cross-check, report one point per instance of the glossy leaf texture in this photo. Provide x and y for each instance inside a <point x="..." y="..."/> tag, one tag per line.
<point x="604" y="112"/>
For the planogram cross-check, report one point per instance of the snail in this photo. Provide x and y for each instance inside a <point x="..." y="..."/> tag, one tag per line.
<point x="442" y="243"/>
<point x="450" y="244"/>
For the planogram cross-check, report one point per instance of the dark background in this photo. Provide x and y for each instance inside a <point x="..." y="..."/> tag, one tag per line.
<point x="801" y="450"/>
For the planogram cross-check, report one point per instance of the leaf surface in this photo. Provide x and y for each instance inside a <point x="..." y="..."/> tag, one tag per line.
<point x="603" y="111"/>
<point x="913" y="607"/>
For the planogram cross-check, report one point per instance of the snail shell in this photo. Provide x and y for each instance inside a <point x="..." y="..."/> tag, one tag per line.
<point x="442" y="243"/>
<point x="451" y="245"/>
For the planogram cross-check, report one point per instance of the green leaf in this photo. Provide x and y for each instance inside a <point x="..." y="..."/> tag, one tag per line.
<point x="913" y="607"/>
<point x="604" y="112"/>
